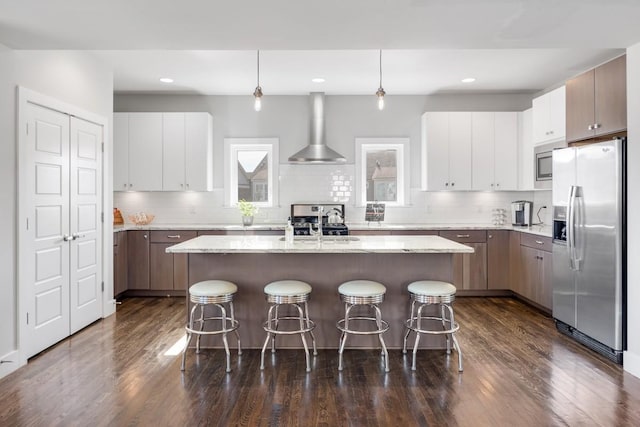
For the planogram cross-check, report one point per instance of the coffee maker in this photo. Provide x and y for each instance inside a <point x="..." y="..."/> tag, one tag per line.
<point x="521" y="213"/>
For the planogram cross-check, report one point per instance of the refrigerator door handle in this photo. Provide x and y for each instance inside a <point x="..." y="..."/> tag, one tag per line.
<point x="571" y="227"/>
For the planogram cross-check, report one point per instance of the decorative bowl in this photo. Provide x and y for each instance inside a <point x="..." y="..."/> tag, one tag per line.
<point x="141" y="218"/>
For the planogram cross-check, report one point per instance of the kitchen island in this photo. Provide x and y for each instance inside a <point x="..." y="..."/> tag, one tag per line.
<point x="253" y="261"/>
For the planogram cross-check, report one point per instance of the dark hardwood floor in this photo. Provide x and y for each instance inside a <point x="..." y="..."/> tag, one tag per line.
<point x="518" y="372"/>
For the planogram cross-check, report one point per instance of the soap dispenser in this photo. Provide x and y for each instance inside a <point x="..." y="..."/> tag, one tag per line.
<point x="288" y="231"/>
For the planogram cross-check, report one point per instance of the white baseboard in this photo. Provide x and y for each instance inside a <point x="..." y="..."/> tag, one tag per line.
<point x="11" y="362"/>
<point x="631" y="363"/>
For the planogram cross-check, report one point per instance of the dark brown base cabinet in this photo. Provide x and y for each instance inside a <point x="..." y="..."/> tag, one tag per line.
<point x="470" y="270"/>
<point x="138" y="266"/>
<point x="536" y="270"/>
<point x="168" y="272"/>
<point x="120" y="263"/>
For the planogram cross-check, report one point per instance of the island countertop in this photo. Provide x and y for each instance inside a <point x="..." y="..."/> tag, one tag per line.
<point x="340" y="244"/>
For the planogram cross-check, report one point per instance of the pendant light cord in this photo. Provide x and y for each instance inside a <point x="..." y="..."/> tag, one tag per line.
<point x="258" y="68"/>
<point x="380" y="68"/>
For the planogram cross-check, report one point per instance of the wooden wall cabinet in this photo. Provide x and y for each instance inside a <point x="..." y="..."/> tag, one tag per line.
<point x="597" y="101"/>
<point x="138" y="259"/>
<point x="470" y="270"/>
<point x="120" y="263"/>
<point x="168" y="272"/>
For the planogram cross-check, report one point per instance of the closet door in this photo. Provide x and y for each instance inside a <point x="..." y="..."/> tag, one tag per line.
<point x="85" y="223"/>
<point x="46" y="244"/>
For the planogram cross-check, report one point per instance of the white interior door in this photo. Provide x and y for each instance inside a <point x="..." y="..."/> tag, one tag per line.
<point x="85" y="264"/>
<point x="46" y="245"/>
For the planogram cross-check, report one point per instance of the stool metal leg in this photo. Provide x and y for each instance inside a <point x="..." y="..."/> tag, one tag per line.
<point x="415" y="344"/>
<point x="201" y="327"/>
<point x="273" y="336"/>
<point x="224" y="335"/>
<point x="189" y="336"/>
<point x="444" y="326"/>
<point x="266" y="341"/>
<point x="304" y="340"/>
<point x="233" y="318"/>
<point x="313" y="338"/>
<point x="453" y="337"/>
<point x="343" y="338"/>
<point x="384" y="347"/>
<point x="406" y="335"/>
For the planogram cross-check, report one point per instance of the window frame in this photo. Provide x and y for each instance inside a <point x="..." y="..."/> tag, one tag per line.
<point x="231" y="148"/>
<point x="401" y="145"/>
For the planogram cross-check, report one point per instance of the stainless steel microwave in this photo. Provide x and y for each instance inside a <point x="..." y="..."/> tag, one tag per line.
<point x="543" y="164"/>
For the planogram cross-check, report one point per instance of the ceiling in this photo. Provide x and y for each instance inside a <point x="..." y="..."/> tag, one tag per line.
<point x="209" y="47"/>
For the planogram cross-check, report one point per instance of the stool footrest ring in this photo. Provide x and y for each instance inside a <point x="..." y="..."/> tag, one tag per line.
<point x="384" y="328"/>
<point x="409" y="323"/>
<point x="234" y="325"/>
<point x="309" y="328"/>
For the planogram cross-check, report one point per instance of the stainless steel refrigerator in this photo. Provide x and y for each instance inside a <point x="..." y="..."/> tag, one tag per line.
<point x="589" y="249"/>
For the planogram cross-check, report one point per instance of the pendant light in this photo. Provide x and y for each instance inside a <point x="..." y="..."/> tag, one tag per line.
<point x="257" y="94"/>
<point x="380" y="93"/>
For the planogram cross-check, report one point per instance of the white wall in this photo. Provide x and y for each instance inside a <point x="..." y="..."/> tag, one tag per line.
<point x="632" y="356"/>
<point x="347" y="117"/>
<point x="73" y="77"/>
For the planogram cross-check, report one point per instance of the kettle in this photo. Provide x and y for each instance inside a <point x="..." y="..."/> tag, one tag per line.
<point x="334" y="216"/>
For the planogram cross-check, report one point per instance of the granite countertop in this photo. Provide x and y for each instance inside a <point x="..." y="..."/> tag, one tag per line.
<point x="540" y="230"/>
<point x="346" y="244"/>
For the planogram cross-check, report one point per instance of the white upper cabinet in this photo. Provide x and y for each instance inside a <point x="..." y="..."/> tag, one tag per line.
<point x="162" y="152"/>
<point x="525" y="152"/>
<point x="549" y="117"/>
<point x="145" y="151"/>
<point x="446" y="149"/>
<point x="494" y="151"/>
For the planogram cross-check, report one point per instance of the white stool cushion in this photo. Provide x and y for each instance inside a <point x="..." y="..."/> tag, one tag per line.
<point x="362" y="288"/>
<point x="432" y="288"/>
<point x="283" y="288"/>
<point x="213" y="288"/>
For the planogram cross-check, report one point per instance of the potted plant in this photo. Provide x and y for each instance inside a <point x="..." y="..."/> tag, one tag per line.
<point x="248" y="210"/>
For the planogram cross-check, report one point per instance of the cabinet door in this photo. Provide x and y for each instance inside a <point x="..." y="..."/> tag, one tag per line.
<point x="120" y="151"/>
<point x="198" y="152"/>
<point x="161" y="272"/>
<point x="540" y="119"/>
<point x="515" y="269"/>
<point x="505" y="150"/>
<point x="530" y="272"/>
<point x="474" y="268"/>
<point x="460" y="151"/>
<point x="138" y="265"/>
<point x="436" y="128"/>
<point x="545" y="294"/>
<point x="557" y="114"/>
<point x="120" y="259"/>
<point x="173" y="149"/>
<point x="145" y="151"/>
<point x="525" y="151"/>
<point x="611" y="96"/>
<point x="580" y="107"/>
<point x="498" y="259"/>
<point x="482" y="155"/>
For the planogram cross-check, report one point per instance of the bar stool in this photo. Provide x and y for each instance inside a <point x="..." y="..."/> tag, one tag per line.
<point x="430" y="292"/>
<point x="360" y="293"/>
<point x="294" y="293"/>
<point x="212" y="293"/>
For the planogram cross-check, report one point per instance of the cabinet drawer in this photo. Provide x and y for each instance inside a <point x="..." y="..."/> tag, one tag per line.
<point x="160" y="236"/>
<point x="537" y="242"/>
<point x="465" y="236"/>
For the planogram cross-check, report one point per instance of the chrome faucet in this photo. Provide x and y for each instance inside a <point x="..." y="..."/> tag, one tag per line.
<point x="318" y="232"/>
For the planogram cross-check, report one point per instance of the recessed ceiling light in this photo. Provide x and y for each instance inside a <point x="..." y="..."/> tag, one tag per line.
<point x="468" y="80"/>
<point x="318" y="80"/>
<point x="166" y="80"/>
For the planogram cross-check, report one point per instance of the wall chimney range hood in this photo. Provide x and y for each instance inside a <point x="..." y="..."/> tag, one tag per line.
<point x="317" y="151"/>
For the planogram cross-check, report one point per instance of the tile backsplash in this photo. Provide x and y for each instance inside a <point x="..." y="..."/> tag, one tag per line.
<point x="329" y="183"/>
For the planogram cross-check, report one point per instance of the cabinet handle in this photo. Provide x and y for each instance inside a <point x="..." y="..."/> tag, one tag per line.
<point x="453" y="183"/>
<point x="125" y="185"/>
<point x="130" y="185"/>
<point x="492" y="184"/>
<point x="597" y="126"/>
<point x="145" y="236"/>
<point x="590" y="127"/>
<point x="550" y="132"/>
<point x="174" y="236"/>
<point x="462" y="236"/>
<point x="491" y="236"/>
<point x="446" y="184"/>
<point x="498" y="185"/>
<point x="539" y="242"/>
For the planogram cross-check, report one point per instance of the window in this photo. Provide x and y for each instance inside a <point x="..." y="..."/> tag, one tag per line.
<point x="250" y="170"/>
<point x="381" y="170"/>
